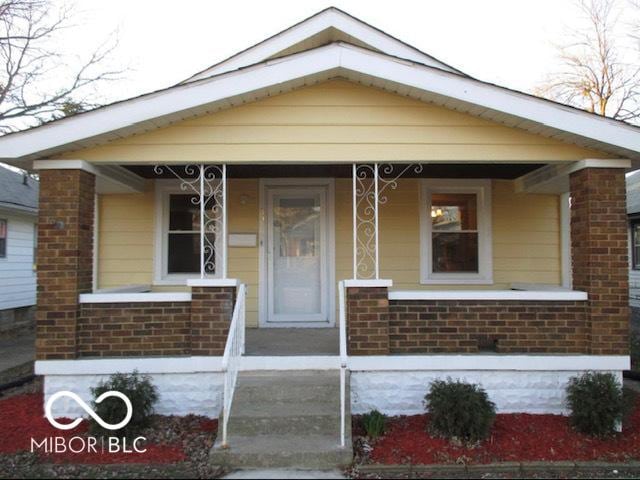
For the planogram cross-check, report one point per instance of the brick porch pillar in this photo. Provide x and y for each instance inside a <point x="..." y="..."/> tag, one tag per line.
<point x="65" y="258"/>
<point x="599" y="256"/>
<point x="212" y="305"/>
<point x="367" y="318"/>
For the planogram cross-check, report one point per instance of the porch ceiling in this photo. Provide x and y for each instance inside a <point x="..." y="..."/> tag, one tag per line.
<point x="430" y="170"/>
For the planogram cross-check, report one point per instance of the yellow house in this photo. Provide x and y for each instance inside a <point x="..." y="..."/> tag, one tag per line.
<point x="335" y="206"/>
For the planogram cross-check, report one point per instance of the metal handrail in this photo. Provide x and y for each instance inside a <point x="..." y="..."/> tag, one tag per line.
<point x="343" y="360"/>
<point x="233" y="350"/>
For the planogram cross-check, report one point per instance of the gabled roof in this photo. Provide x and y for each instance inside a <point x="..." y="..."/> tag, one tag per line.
<point x="17" y="191"/>
<point x="405" y="76"/>
<point x="327" y="26"/>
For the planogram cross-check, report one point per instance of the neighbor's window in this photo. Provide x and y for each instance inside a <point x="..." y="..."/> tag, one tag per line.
<point x="456" y="240"/>
<point x="183" y="237"/>
<point x="635" y="245"/>
<point x="3" y="238"/>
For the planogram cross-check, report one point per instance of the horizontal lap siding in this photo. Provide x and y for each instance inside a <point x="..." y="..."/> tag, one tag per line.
<point x="460" y="326"/>
<point x="335" y="121"/>
<point x="17" y="277"/>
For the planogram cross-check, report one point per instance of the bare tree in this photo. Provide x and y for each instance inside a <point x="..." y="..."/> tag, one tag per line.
<point x="596" y="74"/>
<point x="37" y="81"/>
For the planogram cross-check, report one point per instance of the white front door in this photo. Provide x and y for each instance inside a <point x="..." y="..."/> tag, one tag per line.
<point x="296" y="248"/>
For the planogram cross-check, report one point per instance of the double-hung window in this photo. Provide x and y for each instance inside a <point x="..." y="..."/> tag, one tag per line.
<point x="3" y="237"/>
<point x="178" y="236"/>
<point x="456" y="232"/>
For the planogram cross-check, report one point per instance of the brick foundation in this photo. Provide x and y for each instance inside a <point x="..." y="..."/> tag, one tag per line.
<point x="463" y="326"/>
<point x="65" y="258"/>
<point x="134" y="329"/>
<point x="368" y="321"/>
<point x="599" y="255"/>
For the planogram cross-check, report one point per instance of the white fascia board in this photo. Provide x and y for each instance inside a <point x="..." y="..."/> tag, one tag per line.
<point x="490" y="295"/>
<point x="134" y="297"/>
<point x="492" y="97"/>
<point x="489" y="362"/>
<point x="108" y="366"/>
<point x="113" y="176"/>
<point x="338" y="57"/>
<point x="328" y="19"/>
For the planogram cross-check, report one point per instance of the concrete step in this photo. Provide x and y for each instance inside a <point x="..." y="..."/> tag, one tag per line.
<point x="286" y="419"/>
<point x="296" y="425"/>
<point x="282" y="451"/>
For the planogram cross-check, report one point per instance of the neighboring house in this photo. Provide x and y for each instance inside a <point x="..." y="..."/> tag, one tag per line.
<point x="18" y="220"/>
<point x="330" y="152"/>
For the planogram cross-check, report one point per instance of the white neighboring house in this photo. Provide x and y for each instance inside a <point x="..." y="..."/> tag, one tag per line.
<point x="18" y="223"/>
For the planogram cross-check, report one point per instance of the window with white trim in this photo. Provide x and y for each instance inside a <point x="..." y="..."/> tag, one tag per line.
<point x="179" y="237"/>
<point x="456" y="231"/>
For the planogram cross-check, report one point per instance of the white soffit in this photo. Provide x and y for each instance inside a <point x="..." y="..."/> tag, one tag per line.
<point x="329" y="25"/>
<point x="272" y="77"/>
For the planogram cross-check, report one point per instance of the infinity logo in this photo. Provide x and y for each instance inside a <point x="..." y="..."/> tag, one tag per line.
<point x="88" y="409"/>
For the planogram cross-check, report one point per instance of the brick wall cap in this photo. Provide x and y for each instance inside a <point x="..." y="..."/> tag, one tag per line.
<point x="135" y="297"/>
<point x="367" y="283"/>
<point x="540" y="295"/>
<point x="213" y="282"/>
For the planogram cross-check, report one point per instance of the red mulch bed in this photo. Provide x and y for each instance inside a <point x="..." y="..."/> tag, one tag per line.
<point x="515" y="438"/>
<point x="22" y="418"/>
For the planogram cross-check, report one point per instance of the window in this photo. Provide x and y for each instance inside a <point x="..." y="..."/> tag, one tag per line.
<point x="456" y="231"/>
<point x="178" y="236"/>
<point x="3" y="238"/>
<point x="635" y="244"/>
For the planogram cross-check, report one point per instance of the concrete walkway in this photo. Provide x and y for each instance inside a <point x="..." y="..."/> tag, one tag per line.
<point x="16" y="351"/>
<point x="285" y="474"/>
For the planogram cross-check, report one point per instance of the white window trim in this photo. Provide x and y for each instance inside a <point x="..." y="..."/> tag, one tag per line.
<point x="164" y="188"/>
<point x="482" y="188"/>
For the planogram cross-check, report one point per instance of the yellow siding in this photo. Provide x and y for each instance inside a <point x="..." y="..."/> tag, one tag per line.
<point x="526" y="237"/>
<point x="125" y="239"/>
<point x="335" y="121"/>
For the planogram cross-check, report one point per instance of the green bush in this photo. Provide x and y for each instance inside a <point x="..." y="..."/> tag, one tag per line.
<point x="140" y="391"/>
<point x="596" y="403"/>
<point x="373" y="423"/>
<point x="459" y="411"/>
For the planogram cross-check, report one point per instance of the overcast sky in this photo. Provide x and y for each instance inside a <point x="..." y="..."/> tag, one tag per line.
<point x="507" y="42"/>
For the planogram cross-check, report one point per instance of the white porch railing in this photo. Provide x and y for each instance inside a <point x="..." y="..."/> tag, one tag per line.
<point x="343" y="360"/>
<point x="233" y="350"/>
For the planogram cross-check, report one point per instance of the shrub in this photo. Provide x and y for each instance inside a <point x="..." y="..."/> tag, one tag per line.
<point x="459" y="411"/>
<point x="596" y="403"/>
<point x="373" y="423"/>
<point x="140" y="391"/>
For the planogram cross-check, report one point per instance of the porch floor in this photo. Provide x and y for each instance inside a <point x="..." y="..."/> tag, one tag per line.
<point x="292" y="341"/>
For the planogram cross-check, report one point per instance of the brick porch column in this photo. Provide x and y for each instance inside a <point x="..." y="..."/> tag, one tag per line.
<point x="212" y="303"/>
<point x="599" y="256"/>
<point x="65" y="258"/>
<point x="367" y="317"/>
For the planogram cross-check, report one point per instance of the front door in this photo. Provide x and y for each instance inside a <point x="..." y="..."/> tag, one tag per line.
<point x="296" y="247"/>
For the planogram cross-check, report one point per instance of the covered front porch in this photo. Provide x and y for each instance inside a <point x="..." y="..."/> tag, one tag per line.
<point x="448" y="258"/>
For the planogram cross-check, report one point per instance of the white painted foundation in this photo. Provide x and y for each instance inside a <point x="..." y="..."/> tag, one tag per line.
<point x="402" y="392"/>
<point x="179" y="393"/>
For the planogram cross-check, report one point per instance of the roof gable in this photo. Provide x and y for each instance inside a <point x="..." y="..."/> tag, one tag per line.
<point x="325" y="27"/>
